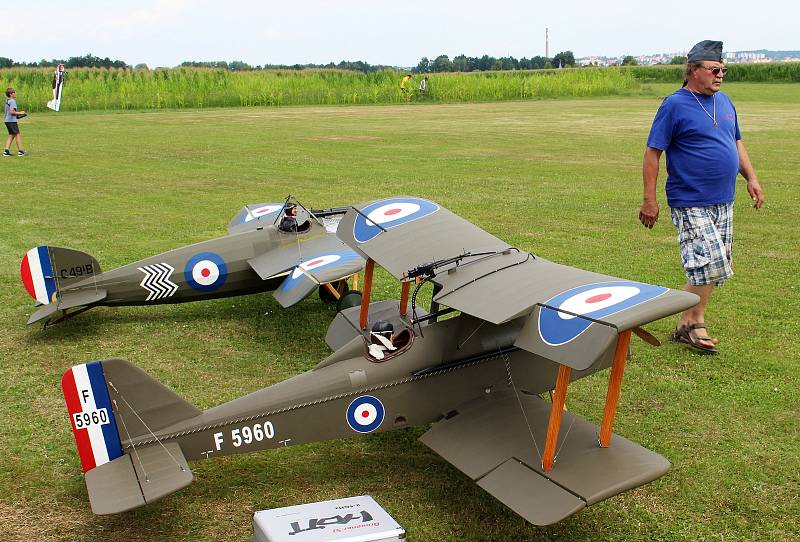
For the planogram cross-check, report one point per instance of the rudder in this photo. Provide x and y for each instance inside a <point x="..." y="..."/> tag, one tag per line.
<point x="46" y="270"/>
<point x="101" y="397"/>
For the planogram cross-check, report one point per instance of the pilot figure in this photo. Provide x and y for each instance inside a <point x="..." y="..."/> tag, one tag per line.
<point x="289" y="221"/>
<point x="381" y="339"/>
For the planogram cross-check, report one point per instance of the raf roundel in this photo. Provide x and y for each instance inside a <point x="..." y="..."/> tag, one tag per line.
<point x="595" y="301"/>
<point x="389" y="213"/>
<point x="206" y="271"/>
<point x="264" y="210"/>
<point x="365" y="414"/>
<point x="316" y="262"/>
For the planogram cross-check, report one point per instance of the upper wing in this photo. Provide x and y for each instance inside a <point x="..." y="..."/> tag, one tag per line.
<point x="574" y="316"/>
<point x="254" y="215"/>
<point x="495" y="441"/>
<point x="401" y="233"/>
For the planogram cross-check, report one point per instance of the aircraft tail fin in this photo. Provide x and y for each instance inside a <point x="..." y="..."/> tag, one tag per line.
<point x="103" y="400"/>
<point x="45" y="271"/>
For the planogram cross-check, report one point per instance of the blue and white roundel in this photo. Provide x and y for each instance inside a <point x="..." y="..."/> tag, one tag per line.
<point x="206" y="271"/>
<point x="365" y="414"/>
<point x="595" y="300"/>
<point x="317" y="262"/>
<point x="262" y="211"/>
<point x="389" y="213"/>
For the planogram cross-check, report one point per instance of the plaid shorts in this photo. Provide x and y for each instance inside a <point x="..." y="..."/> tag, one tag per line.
<point x="705" y="235"/>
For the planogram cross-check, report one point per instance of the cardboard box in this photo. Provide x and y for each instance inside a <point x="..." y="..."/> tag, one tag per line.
<point x="353" y="519"/>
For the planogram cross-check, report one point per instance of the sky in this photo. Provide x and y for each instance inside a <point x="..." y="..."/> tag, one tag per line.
<point x="396" y="33"/>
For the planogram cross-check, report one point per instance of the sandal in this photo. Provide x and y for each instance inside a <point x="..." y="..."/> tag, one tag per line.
<point x="683" y="334"/>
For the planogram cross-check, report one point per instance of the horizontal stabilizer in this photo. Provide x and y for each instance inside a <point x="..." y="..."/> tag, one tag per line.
<point x="503" y="458"/>
<point x="137" y="478"/>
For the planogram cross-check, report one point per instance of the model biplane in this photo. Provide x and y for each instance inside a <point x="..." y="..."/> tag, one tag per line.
<point x="504" y="327"/>
<point x="269" y="246"/>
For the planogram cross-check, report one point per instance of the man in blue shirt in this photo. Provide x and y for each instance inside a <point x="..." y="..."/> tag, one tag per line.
<point x="11" y="117"/>
<point x="698" y="128"/>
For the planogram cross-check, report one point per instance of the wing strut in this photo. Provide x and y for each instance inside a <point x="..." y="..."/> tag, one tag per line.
<point x="614" y="387"/>
<point x="554" y="425"/>
<point x="404" y="297"/>
<point x="364" y="315"/>
<point x="609" y="412"/>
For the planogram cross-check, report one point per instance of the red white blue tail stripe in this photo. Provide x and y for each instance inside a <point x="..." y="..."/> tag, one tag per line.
<point x="91" y="415"/>
<point x="389" y="213"/>
<point x="37" y="275"/>
<point x="596" y="300"/>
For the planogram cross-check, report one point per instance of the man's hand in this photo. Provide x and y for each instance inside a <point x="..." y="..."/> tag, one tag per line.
<point x="756" y="193"/>
<point x="648" y="213"/>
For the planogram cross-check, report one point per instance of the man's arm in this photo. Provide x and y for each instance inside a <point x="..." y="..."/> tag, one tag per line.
<point x="648" y="213"/>
<point x="747" y="171"/>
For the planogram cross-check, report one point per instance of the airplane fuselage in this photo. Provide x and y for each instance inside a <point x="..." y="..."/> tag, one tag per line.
<point x="206" y="270"/>
<point x="350" y="394"/>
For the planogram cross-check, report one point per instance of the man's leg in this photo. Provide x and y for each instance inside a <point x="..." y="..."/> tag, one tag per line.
<point x="696" y="315"/>
<point x="19" y="142"/>
<point x="9" y="139"/>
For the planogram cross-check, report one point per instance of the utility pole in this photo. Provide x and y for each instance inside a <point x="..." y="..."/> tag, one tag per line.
<point x="546" y="42"/>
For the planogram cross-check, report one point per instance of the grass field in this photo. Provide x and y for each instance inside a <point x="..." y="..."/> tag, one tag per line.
<point x="560" y="178"/>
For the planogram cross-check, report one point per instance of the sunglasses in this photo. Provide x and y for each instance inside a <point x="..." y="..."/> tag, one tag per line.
<point x="716" y="70"/>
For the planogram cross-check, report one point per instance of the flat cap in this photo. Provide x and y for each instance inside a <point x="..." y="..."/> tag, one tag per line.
<point x="706" y="50"/>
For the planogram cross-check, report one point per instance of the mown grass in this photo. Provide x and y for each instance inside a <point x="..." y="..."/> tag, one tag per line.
<point x="559" y="178"/>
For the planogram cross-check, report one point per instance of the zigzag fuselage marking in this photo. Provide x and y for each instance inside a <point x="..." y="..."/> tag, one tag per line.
<point x="156" y="281"/>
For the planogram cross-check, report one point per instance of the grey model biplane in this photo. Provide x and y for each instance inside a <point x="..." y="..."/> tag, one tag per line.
<point x="269" y="246"/>
<point x="517" y="326"/>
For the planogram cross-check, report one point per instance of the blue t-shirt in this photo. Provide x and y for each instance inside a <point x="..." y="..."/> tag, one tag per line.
<point x="10" y="102"/>
<point x="702" y="161"/>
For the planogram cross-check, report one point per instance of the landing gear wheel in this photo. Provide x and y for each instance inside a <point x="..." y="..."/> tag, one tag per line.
<point x="327" y="296"/>
<point x="350" y="299"/>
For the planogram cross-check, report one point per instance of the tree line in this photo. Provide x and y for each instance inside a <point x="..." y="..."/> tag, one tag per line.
<point x="463" y="63"/>
<point x="441" y="63"/>
<point x="86" y="61"/>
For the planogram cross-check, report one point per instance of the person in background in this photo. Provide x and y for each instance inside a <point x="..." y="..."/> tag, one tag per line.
<point x="406" y="78"/>
<point x="12" y="115"/>
<point x="423" y="86"/>
<point x="698" y="129"/>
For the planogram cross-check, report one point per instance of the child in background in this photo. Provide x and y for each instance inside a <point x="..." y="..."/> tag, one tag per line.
<point x="12" y="115"/>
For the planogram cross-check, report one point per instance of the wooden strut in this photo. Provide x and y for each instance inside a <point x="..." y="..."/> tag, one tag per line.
<point x="556" y="410"/>
<point x="355" y="281"/>
<point x="368" y="270"/>
<point x="406" y="286"/>
<point x="614" y="387"/>
<point x="333" y="291"/>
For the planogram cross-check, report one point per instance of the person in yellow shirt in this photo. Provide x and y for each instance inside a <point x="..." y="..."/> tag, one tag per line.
<point x="406" y="78"/>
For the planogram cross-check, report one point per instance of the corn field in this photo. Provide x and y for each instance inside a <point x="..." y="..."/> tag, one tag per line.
<point x="771" y="72"/>
<point x="177" y="88"/>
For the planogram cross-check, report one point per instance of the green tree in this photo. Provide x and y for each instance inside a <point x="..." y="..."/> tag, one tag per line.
<point x="6" y="62"/>
<point x="460" y="64"/>
<point x="442" y="64"/>
<point x="629" y="61"/>
<point x="563" y="59"/>
<point x="424" y="65"/>
<point x="679" y="60"/>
